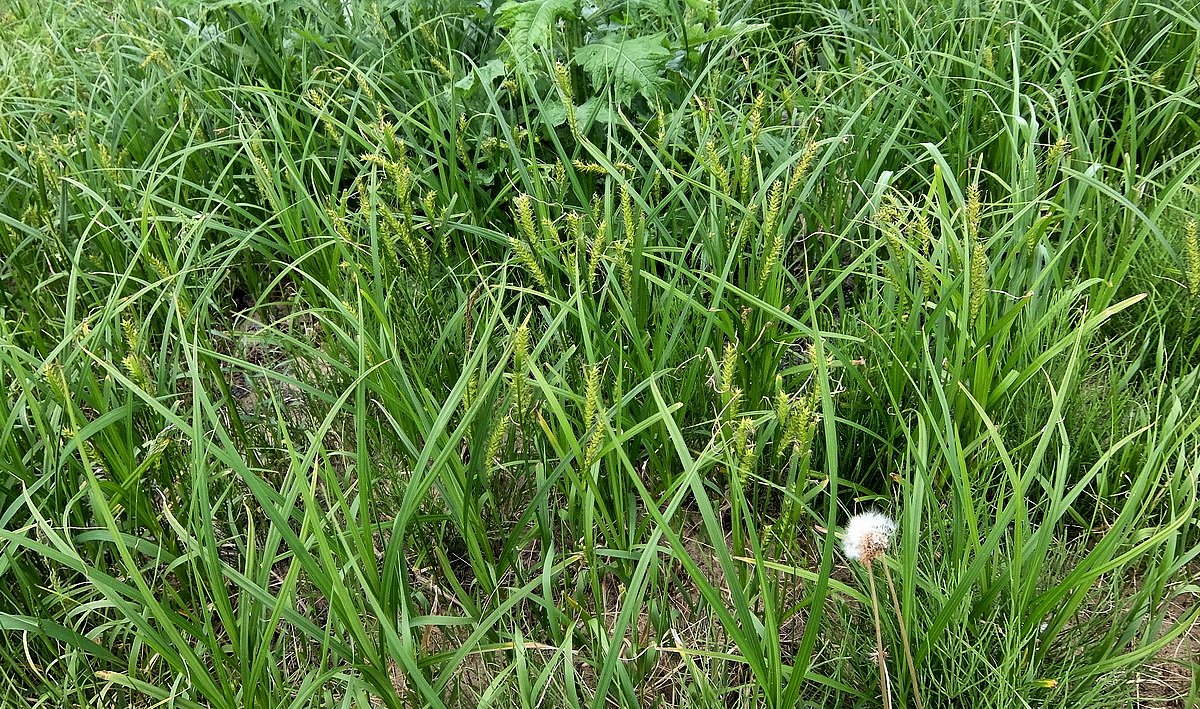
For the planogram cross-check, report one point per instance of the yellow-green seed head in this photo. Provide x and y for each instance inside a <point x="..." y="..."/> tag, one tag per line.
<point x="496" y="439"/>
<point x="974" y="209"/>
<point x="520" y="355"/>
<point x="524" y="218"/>
<point x="729" y="363"/>
<point x="591" y="393"/>
<point x="1191" y="243"/>
<point x="527" y="258"/>
<point x="716" y="166"/>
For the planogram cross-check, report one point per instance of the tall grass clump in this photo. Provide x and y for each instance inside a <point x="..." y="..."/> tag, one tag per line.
<point x="390" y="354"/>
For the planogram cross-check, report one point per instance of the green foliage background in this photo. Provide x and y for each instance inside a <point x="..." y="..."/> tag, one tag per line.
<point x="399" y="353"/>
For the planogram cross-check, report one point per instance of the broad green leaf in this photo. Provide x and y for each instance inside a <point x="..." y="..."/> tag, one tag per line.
<point x="590" y="111"/>
<point x="633" y="66"/>
<point x="485" y="74"/>
<point x="530" y="24"/>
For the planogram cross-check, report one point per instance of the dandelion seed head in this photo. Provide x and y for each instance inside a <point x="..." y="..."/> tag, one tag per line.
<point x="868" y="535"/>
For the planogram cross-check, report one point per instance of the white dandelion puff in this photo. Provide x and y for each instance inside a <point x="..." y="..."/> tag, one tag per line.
<point x="868" y="535"/>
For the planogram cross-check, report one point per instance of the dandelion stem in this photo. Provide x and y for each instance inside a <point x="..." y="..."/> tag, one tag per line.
<point x="880" y="657"/>
<point x="908" y="658"/>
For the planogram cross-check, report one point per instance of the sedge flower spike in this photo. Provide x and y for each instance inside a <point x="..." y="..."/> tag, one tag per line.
<point x="868" y="535"/>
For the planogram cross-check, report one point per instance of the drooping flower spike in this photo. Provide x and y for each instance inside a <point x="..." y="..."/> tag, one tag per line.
<point x="868" y="535"/>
